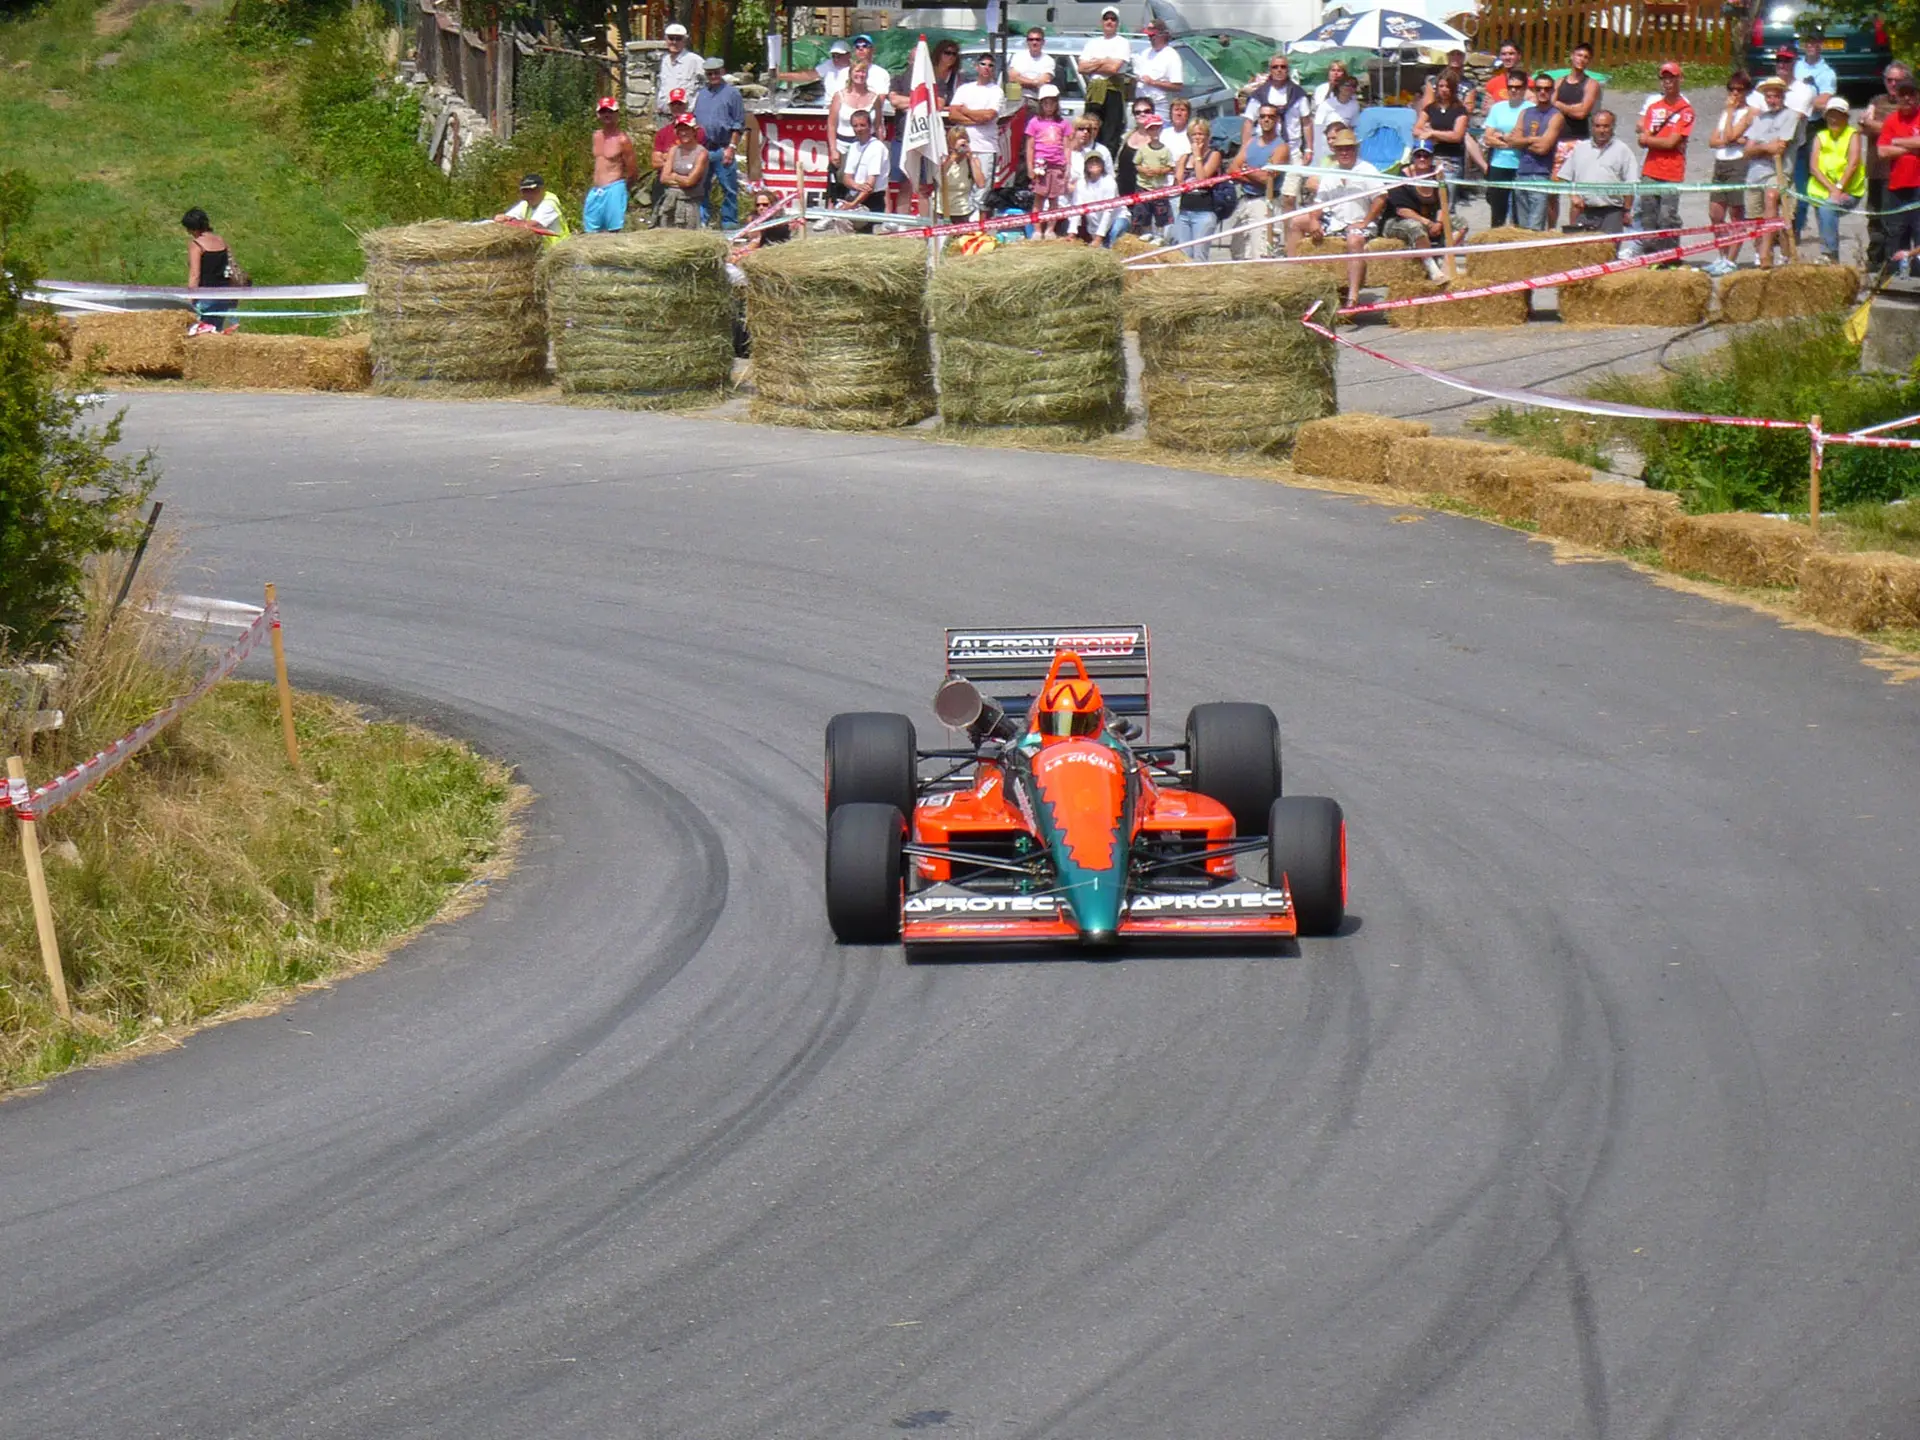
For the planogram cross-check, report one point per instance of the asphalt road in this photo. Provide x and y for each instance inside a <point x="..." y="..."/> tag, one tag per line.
<point x="1600" y="1122"/>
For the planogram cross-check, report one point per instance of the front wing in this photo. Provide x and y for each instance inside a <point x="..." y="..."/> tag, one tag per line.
<point x="954" y="914"/>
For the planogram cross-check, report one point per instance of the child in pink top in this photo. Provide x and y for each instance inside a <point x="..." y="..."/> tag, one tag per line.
<point x="1047" y="136"/>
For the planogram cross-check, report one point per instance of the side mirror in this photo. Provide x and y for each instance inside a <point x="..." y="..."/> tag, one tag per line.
<point x="958" y="703"/>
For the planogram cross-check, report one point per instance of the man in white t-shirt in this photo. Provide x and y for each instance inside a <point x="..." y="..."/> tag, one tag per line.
<point x="680" y="69"/>
<point x="1160" y="74"/>
<point x="863" y="169"/>
<point x="878" y="80"/>
<point x="1103" y="61"/>
<point x="539" y="208"/>
<point x="976" y="105"/>
<point x="1032" y="67"/>
<point x="1354" y="200"/>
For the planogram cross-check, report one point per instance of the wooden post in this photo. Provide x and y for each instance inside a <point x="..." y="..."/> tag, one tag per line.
<point x="42" y="906"/>
<point x="1446" y="232"/>
<point x="1814" y="458"/>
<point x="286" y="691"/>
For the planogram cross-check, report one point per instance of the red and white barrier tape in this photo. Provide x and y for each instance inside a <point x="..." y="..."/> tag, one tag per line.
<point x="1723" y="235"/>
<point x="982" y="224"/>
<point x="39" y="804"/>
<point x="1545" y="242"/>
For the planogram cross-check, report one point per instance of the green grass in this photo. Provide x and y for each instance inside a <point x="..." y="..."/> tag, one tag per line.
<point x="210" y="875"/>
<point x="186" y="117"/>
<point x="1579" y="438"/>
<point x="1879" y="527"/>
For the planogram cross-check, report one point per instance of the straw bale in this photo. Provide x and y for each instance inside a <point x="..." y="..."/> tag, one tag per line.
<point x="1490" y="267"/>
<point x="1379" y="271"/>
<point x="839" y="332"/>
<point x="1030" y="337"/>
<point x="1638" y="297"/>
<point x="1786" y="292"/>
<point x="1136" y="247"/>
<point x="455" y="307"/>
<point x="1226" y="364"/>
<point x="1607" y="516"/>
<point x="1489" y="311"/>
<point x="1499" y="478"/>
<point x="132" y="342"/>
<point x="1738" y="549"/>
<point x="278" y="362"/>
<point x="642" y="320"/>
<point x="1352" y="447"/>
<point x="56" y="334"/>
<point x="1868" y="591"/>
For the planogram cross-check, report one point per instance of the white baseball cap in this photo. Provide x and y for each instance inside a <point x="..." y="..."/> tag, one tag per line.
<point x="676" y="29"/>
<point x="1110" y="11"/>
<point x="1046" y="90"/>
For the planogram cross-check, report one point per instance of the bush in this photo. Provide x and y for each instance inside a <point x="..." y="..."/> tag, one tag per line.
<point x="488" y="179"/>
<point x="1790" y="370"/>
<point x="556" y="88"/>
<point x="63" y="496"/>
<point x="360" y="123"/>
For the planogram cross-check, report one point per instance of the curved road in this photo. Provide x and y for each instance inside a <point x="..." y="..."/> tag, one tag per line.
<point x="1601" y="1122"/>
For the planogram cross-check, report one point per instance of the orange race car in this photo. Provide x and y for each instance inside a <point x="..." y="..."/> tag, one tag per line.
<point x="1066" y="824"/>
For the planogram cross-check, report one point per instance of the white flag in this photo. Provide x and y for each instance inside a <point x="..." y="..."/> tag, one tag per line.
<point x="923" y="139"/>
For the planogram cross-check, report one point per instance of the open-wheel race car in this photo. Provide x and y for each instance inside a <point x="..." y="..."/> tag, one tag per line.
<point x="1066" y="824"/>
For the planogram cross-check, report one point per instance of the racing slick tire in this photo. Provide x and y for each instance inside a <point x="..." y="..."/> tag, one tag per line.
<point x="871" y="761"/>
<point x="865" y="869"/>
<point x="1307" y="849"/>
<point x="1233" y="753"/>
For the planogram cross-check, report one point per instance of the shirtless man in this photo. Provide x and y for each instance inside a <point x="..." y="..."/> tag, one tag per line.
<point x="615" y="167"/>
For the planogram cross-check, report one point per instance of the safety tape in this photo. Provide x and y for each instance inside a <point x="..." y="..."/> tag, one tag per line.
<point x="1546" y="242"/>
<point x="1723" y="235"/>
<point x="91" y="291"/>
<point x="983" y="224"/>
<point x="39" y="804"/>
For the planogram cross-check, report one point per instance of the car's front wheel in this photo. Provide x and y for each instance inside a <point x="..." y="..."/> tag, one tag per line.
<point x="871" y="760"/>
<point x="1233" y="754"/>
<point x="865" y="873"/>
<point x="1307" y="850"/>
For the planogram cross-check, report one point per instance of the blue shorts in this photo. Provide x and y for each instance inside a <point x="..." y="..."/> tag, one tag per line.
<point x="605" y="208"/>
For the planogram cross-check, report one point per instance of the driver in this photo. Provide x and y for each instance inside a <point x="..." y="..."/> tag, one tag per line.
<point x="1069" y="708"/>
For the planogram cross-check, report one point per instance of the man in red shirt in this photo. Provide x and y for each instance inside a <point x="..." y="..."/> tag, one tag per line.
<point x="1666" y="120"/>
<point x="1900" y="147"/>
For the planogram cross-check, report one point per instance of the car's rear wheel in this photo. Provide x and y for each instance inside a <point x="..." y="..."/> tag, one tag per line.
<point x="1307" y="849"/>
<point x="865" y="870"/>
<point x="870" y="761"/>
<point x="1233" y="752"/>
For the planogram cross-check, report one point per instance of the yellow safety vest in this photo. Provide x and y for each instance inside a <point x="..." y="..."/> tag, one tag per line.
<point x="1830" y="163"/>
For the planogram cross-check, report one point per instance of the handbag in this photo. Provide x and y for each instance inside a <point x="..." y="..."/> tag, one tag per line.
<point x="237" y="276"/>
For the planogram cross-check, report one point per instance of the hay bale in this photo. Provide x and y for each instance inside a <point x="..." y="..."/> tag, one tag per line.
<point x="1737" y="549"/>
<point x="1499" y="478"/>
<point x="1379" y="271"/>
<point x="1491" y="311"/>
<point x="1638" y="297"/>
<point x="1226" y="363"/>
<point x="1606" y="516"/>
<point x="643" y="321"/>
<point x="1868" y="591"/>
<point x="1030" y="337"/>
<point x="454" y="308"/>
<point x="132" y="342"/>
<point x="1352" y="447"/>
<point x="839" y="333"/>
<point x="1490" y="267"/>
<point x="1135" y="247"/>
<point x="1787" y="292"/>
<point x="278" y="362"/>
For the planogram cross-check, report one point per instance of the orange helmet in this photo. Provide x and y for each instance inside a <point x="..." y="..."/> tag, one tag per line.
<point x="1070" y="707"/>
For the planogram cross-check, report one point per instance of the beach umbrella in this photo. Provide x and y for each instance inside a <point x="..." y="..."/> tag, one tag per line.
<point x="1379" y="30"/>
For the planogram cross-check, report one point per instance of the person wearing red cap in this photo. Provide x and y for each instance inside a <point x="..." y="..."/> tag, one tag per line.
<point x="1666" y="120"/>
<point x="663" y="139"/>
<point x="683" y="177"/>
<point x="615" y="168"/>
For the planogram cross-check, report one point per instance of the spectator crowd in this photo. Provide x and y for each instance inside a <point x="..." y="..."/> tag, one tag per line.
<point x="1541" y="146"/>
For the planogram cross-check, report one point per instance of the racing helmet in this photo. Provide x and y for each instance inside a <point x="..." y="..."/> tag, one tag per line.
<point x="1069" y="708"/>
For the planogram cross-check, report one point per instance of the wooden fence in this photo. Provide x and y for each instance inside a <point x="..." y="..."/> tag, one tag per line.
<point x="1697" y="31"/>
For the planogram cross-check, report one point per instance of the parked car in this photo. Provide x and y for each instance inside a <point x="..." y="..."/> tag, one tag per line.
<point x="1858" y="50"/>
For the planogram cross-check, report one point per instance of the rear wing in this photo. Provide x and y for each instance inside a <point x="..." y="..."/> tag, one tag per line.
<point x="1008" y="665"/>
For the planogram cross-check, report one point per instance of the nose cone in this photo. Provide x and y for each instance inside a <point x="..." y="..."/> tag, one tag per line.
<point x="1082" y="811"/>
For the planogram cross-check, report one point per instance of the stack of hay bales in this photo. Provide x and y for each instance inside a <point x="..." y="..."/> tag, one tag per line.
<point x="1606" y="516"/>
<point x="1868" y="591"/>
<point x="1638" y="297"/>
<point x="1737" y="549"/>
<point x="455" y="308"/>
<point x="641" y="321"/>
<point x="279" y="362"/>
<point x="151" y="343"/>
<point x="1787" y="292"/>
<point x="1227" y="365"/>
<point x="1387" y="272"/>
<point x="1352" y="447"/>
<point x="1498" y="478"/>
<point x="839" y="333"/>
<point x="1030" y="337"/>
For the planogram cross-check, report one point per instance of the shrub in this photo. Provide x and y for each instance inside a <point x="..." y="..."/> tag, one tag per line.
<point x="561" y="153"/>
<point x="360" y="123"/>
<point x="63" y="496"/>
<point x="557" y="88"/>
<point x="1790" y="370"/>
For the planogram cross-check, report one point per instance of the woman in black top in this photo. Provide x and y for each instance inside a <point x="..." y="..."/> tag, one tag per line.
<point x="1444" y="125"/>
<point x="209" y="267"/>
<point x="1126" y="174"/>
